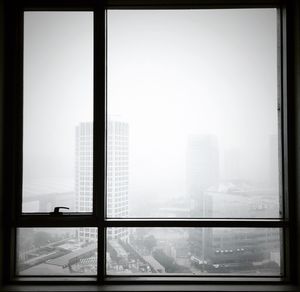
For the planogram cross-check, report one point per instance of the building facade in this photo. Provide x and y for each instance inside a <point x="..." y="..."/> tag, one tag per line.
<point x="117" y="175"/>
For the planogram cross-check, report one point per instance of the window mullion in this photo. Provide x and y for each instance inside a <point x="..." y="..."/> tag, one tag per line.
<point x="99" y="132"/>
<point x="222" y="223"/>
<point x="45" y="220"/>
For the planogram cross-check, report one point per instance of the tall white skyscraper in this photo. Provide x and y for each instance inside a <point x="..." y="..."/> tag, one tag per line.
<point x="84" y="167"/>
<point x="84" y="176"/>
<point x="117" y="175"/>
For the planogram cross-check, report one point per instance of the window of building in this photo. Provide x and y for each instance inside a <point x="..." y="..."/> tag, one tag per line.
<point x="163" y="131"/>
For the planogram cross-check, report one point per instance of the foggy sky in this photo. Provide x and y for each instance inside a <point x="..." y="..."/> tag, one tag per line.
<point x="171" y="74"/>
<point x="58" y="89"/>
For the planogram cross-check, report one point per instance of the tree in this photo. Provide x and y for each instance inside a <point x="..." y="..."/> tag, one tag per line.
<point x="149" y="242"/>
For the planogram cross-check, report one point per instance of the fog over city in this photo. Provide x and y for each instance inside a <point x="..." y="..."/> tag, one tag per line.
<point x="192" y="132"/>
<point x="171" y="75"/>
<point x="58" y="89"/>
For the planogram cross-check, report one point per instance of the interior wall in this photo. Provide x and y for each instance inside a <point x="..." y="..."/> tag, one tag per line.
<point x="1" y="127"/>
<point x="294" y="107"/>
<point x="295" y="130"/>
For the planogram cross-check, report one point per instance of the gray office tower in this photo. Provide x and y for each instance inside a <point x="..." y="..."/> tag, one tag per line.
<point x="202" y="173"/>
<point x="116" y="174"/>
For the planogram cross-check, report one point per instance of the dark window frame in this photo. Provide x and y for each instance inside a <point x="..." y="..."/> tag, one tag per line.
<point x="13" y="141"/>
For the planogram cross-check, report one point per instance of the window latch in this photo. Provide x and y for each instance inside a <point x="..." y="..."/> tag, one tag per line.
<point x="57" y="210"/>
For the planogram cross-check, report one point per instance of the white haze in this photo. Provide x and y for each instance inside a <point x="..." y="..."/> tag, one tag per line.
<point x="171" y="74"/>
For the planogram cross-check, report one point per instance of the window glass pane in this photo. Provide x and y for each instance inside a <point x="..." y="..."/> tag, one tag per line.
<point x="56" y="251"/>
<point x="192" y="113"/>
<point x="194" y="251"/>
<point x="58" y="111"/>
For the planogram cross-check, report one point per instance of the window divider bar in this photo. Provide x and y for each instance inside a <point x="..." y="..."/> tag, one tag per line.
<point x="232" y="223"/>
<point x="13" y="116"/>
<point x="283" y="143"/>
<point x="99" y="150"/>
<point x="58" y="5"/>
<point x="182" y="4"/>
<point x="45" y="220"/>
<point x="94" y="221"/>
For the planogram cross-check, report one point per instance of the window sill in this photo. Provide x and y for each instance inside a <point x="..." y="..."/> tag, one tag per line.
<point x="152" y="287"/>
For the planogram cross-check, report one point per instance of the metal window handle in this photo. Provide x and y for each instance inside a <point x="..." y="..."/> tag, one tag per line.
<point x="57" y="212"/>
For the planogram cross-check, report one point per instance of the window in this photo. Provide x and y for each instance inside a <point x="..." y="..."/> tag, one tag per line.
<point x="163" y="130"/>
<point x="186" y="88"/>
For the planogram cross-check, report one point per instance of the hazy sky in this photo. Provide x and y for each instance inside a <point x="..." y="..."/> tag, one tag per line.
<point x="175" y="73"/>
<point x="171" y="74"/>
<point x="58" y="89"/>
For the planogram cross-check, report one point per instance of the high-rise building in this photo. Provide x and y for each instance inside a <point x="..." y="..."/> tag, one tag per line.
<point x="117" y="175"/>
<point x="202" y="171"/>
<point x="243" y="248"/>
<point x="84" y="167"/>
<point x="84" y="176"/>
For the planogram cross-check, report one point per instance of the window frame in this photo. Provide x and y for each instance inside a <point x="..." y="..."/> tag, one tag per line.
<point x="13" y="144"/>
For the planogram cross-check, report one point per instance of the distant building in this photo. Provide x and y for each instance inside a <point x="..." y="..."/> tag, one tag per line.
<point x="117" y="175"/>
<point x="202" y="172"/>
<point x="84" y="167"/>
<point x="117" y="169"/>
<point x="84" y="176"/>
<point x="232" y="167"/>
<point x="243" y="199"/>
<point x="241" y="249"/>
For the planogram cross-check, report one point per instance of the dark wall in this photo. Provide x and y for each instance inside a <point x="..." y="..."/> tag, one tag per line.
<point x="294" y="79"/>
<point x="1" y="125"/>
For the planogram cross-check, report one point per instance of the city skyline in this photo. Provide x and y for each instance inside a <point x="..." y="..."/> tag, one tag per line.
<point x="198" y="90"/>
<point x="206" y="175"/>
<point x="166" y="96"/>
